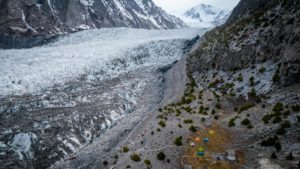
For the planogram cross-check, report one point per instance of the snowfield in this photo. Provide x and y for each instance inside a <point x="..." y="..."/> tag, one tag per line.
<point x="110" y="51"/>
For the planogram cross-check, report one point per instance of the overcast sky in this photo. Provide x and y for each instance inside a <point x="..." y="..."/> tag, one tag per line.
<point x="180" y="6"/>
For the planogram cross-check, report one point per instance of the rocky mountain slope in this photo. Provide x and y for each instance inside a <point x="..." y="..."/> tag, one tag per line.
<point x="206" y="15"/>
<point x="26" y="23"/>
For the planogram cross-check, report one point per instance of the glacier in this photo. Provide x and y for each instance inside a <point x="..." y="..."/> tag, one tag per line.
<point x="31" y="70"/>
<point x="58" y="98"/>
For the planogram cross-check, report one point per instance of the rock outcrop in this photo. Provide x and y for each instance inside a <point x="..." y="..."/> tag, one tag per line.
<point x="256" y="32"/>
<point x="28" y="23"/>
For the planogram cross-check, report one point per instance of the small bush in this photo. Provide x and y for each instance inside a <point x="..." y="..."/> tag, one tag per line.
<point x="296" y="107"/>
<point x="231" y="122"/>
<point x="281" y="131"/>
<point x="277" y="146"/>
<point x="251" y="80"/>
<point x="262" y="70"/>
<point x="269" y="142"/>
<point x="125" y="149"/>
<point x="277" y="119"/>
<point x="240" y="78"/>
<point x="266" y="118"/>
<point x="213" y="112"/>
<point x="179" y="125"/>
<point x="105" y="162"/>
<point x="218" y="106"/>
<point x="245" y="122"/>
<point x="178" y="141"/>
<point x="161" y="156"/>
<point x="135" y="157"/>
<point x="286" y="124"/>
<point x="236" y="109"/>
<point x="160" y="116"/>
<point x="246" y="107"/>
<point x="162" y="123"/>
<point x="216" y="117"/>
<point x="278" y="107"/>
<point x="273" y="155"/>
<point x="187" y="121"/>
<point x="147" y="162"/>
<point x="193" y="129"/>
<point x="252" y="93"/>
<point x="290" y="156"/>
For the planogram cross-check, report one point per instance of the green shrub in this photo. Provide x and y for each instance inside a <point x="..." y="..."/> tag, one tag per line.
<point x="245" y="122"/>
<point x="231" y="122"/>
<point x="162" y="123"/>
<point x="236" y="109"/>
<point x="135" y="157"/>
<point x="281" y="131"/>
<point x="161" y="156"/>
<point x="218" y="106"/>
<point x="286" y="124"/>
<point x="266" y="118"/>
<point x="277" y="146"/>
<point x="269" y="142"/>
<point x="252" y="93"/>
<point x="278" y="107"/>
<point x="251" y="80"/>
<point x="213" y="112"/>
<point x="147" y="162"/>
<point x="240" y="78"/>
<point x="128" y="166"/>
<point x="216" y="117"/>
<point x="160" y="116"/>
<point x="246" y="107"/>
<point x="125" y="149"/>
<point x="273" y="155"/>
<point x="276" y="76"/>
<point x="296" y="107"/>
<point x="187" y="121"/>
<point x="290" y="156"/>
<point x="105" y="163"/>
<point x="187" y="109"/>
<point x="262" y="70"/>
<point x="179" y="125"/>
<point x="178" y="141"/>
<point x="193" y="129"/>
<point x="277" y="119"/>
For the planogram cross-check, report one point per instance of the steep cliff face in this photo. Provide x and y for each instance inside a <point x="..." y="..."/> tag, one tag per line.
<point x="25" y="23"/>
<point x="256" y="32"/>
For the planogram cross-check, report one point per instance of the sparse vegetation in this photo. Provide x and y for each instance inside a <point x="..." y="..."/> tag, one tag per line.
<point x="273" y="155"/>
<point x="246" y="107"/>
<point x="262" y="70"/>
<point x="105" y="163"/>
<point x="147" y="162"/>
<point x="135" y="157"/>
<point x="296" y="108"/>
<point x="231" y="122"/>
<point x="162" y="123"/>
<point x="192" y="129"/>
<point x="161" y="156"/>
<point x="178" y="141"/>
<point x="245" y="122"/>
<point x="276" y="76"/>
<point x="125" y="149"/>
<point x="290" y="156"/>
<point x="186" y="121"/>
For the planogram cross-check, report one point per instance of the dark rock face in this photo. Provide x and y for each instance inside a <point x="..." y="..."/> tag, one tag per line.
<point x="255" y="32"/>
<point x="28" y="23"/>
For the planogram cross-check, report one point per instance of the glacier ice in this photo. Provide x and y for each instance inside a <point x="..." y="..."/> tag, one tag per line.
<point x="31" y="70"/>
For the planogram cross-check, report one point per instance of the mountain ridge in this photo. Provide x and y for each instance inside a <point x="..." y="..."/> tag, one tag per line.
<point x="27" y="23"/>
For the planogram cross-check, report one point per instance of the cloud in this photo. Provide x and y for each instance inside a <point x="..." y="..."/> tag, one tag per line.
<point x="177" y="7"/>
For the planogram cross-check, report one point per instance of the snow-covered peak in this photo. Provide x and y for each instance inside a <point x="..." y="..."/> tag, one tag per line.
<point x="205" y="15"/>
